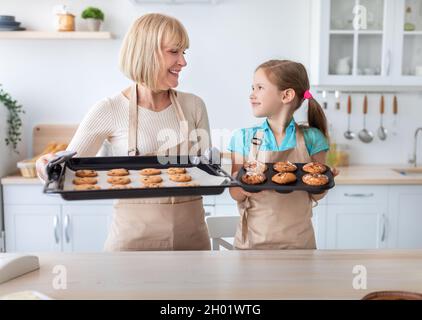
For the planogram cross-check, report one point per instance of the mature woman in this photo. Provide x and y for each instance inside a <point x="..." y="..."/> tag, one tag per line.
<point x="133" y="122"/>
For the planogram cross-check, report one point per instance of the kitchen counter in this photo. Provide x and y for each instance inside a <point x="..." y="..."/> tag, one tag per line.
<point x="358" y="175"/>
<point x="293" y="274"/>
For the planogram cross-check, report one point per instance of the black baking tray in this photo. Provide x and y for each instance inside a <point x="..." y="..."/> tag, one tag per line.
<point x="298" y="185"/>
<point x="56" y="175"/>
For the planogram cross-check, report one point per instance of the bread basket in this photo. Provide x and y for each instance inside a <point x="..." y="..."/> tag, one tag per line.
<point x="27" y="168"/>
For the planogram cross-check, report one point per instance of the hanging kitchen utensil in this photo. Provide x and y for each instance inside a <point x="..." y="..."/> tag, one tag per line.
<point x="365" y="135"/>
<point x="349" y="134"/>
<point x="395" y="111"/>
<point x="382" y="132"/>
<point x="337" y="96"/>
<point x="324" y="99"/>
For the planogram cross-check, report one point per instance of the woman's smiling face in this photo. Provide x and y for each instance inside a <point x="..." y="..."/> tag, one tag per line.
<point x="173" y="61"/>
<point x="265" y="97"/>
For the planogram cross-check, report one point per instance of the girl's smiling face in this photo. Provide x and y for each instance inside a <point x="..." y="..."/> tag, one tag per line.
<point x="266" y="99"/>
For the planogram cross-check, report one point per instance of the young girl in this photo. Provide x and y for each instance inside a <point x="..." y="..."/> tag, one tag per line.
<point x="270" y="220"/>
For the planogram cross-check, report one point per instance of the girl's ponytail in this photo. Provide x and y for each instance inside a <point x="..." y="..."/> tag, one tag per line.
<point x="316" y="117"/>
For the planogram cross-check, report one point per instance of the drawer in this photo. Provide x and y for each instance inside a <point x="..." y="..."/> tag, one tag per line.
<point x="28" y="195"/>
<point x="358" y="194"/>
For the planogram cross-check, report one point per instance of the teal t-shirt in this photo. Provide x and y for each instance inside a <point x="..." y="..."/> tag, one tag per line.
<point x="241" y="140"/>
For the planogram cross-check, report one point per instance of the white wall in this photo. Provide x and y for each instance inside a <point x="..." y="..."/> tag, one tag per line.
<point x="58" y="81"/>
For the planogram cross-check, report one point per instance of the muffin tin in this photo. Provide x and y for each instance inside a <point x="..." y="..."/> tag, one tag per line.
<point x="298" y="185"/>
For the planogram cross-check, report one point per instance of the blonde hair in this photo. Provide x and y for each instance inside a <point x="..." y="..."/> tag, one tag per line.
<point x="141" y="55"/>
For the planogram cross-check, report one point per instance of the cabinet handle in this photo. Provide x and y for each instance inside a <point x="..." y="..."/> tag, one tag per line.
<point x="359" y="195"/>
<point x="388" y="62"/>
<point x="56" y="228"/>
<point x="66" y="228"/>
<point x="384" y="226"/>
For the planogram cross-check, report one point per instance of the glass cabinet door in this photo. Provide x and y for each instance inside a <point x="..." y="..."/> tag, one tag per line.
<point x="412" y="39"/>
<point x="356" y="39"/>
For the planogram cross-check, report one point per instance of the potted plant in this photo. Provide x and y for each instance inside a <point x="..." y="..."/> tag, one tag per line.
<point x="14" y="120"/>
<point x="94" y="17"/>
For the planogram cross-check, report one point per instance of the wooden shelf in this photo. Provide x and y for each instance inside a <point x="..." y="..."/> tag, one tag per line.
<point x="55" y="35"/>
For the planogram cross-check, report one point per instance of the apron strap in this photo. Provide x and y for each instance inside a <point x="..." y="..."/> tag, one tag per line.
<point x="133" y="125"/>
<point x="133" y="122"/>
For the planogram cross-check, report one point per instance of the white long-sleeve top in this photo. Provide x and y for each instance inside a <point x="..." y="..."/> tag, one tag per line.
<point x="109" y="120"/>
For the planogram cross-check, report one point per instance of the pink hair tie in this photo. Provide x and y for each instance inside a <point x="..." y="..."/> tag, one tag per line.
<point x="307" y="95"/>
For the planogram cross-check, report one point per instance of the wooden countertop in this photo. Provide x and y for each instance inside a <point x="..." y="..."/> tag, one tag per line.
<point x="370" y="175"/>
<point x="283" y="274"/>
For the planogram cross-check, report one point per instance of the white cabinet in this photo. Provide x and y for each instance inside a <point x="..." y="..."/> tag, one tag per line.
<point x="363" y="42"/>
<point x="85" y="227"/>
<point x="32" y="228"/>
<point x="40" y="223"/>
<point x="356" y="227"/>
<point x="357" y="217"/>
<point x="406" y="217"/>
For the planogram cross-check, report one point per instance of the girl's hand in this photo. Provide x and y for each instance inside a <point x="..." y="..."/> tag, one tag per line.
<point x="41" y="165"/>
<point x="335" y="172"/>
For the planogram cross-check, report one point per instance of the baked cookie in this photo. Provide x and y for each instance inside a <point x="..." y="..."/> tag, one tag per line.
<point x="151" y="179"/>
<point x="87" y="187"/>
<point x="253" y="178"/>
<point x="315" y="179"/>
<point x="118" y="172"/>
<point x="150" y="172"/>
<point x="284" y="178"/>
<point x="176" y="170"/>
<point x="120" y="186"/>
<point x="85" y="180"/>
<point x="284" y="166"/>
<point x="255" y="166"/>
<point x="152" y="185"/>
<point x="314" y="167"/>
<point x="188" y="184"/>
<point x="86" y="173"/>
<point x="183" y="177"/>
<point x="119" y="180"/>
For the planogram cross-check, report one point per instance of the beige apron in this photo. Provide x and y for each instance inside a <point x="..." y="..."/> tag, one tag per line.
<point x="165" y="223"/>
<point x="271" y="220"/>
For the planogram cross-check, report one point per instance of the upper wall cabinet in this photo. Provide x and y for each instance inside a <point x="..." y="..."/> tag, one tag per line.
<point x="366" y="42"/>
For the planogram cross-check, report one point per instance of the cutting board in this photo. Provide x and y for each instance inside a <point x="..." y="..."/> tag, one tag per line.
<point x="44" y="133"/>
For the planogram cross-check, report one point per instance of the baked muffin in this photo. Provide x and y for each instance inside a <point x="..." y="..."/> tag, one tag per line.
<point x="314" y="167"/>
<point x="315" y="179"/>
<point x="284" y="166"/>
<point x="254" y="178"/>
<point x="284" y="178"/>
<point x="255" y="166"/>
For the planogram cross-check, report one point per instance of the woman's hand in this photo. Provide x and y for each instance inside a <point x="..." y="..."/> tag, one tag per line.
<point x="41" y="165"/>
